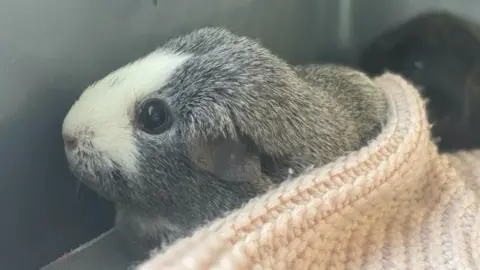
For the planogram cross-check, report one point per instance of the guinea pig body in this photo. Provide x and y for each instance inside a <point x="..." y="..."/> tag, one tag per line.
<point x="440" y="53"/>
<point x="205" y="123"/>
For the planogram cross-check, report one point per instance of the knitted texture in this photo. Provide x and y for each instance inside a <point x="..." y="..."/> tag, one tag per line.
<point x="394" y="204"/>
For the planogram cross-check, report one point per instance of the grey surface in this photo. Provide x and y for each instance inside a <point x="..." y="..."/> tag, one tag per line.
<point x="103" y="253"/>
<point x="51" y="49"/>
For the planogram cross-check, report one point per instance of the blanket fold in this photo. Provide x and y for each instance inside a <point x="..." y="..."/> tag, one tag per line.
<point x="394" y="204"/>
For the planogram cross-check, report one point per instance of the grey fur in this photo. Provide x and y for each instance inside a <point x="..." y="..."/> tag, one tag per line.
<point x="235" y="97"/>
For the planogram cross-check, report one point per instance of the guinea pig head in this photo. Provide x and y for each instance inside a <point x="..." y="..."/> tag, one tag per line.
<point x="172" y="127"/>
<point x="436" y="51"/>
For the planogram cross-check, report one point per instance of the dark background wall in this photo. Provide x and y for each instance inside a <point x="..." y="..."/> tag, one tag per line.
<point x="51" y="49"/>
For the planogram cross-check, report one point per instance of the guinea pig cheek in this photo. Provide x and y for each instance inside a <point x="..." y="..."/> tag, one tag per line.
<point x="117" y="150"/>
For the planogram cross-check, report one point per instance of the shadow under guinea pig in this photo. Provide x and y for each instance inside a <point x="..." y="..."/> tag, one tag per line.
<point x="440" y="53"/>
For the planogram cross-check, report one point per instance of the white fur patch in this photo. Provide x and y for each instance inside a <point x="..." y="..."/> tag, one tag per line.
<point x="104" y="111"/>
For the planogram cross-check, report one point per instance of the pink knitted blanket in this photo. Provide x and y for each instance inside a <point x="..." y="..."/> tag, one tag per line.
<point x="394" y="204"/>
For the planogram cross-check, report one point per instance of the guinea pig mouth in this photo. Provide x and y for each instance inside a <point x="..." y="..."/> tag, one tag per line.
<point x="91" y="170"/>
<point x="84" y="167"/>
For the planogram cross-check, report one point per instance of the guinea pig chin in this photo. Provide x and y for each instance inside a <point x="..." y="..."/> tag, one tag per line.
<point x="96" y="169"/>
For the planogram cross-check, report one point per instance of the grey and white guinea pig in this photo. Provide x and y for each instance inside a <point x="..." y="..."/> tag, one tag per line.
<point x="440" y="53"/>
<point x="206" y="122"/>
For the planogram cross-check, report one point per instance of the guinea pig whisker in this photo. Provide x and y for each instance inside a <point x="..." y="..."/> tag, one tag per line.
<point x="78" y="183"/>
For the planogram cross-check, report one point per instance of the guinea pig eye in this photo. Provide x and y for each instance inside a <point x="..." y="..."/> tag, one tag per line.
<point x="154" y="116"/>
<point x="418" y="65"/>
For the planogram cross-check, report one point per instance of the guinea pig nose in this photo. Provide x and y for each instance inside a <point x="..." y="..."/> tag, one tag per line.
<point x="70" y="142"/>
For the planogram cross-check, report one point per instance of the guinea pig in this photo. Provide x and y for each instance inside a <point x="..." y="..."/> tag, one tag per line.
<point x="440" y="53"/>
<point x="206" y="122"/>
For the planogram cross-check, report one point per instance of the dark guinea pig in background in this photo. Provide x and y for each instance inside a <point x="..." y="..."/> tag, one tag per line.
<point x="440" y="53"/>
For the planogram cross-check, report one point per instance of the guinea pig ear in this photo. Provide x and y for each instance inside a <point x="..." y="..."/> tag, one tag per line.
<point x="228" y="159"/>
<point x="377" y="57"/>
